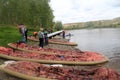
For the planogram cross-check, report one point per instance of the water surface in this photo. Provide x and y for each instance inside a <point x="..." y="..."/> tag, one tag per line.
<point x="104" y="40"/>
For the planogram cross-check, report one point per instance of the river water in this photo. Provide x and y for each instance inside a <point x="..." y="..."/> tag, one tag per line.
<point x="105" y="41"/>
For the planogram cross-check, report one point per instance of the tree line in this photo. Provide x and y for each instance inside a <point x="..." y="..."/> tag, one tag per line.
<point x="28" y="12"/>
<point x="94" y="24"/>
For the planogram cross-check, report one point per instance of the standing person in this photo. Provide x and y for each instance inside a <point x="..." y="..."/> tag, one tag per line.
<point x="63" y="34"/>
<point x="41" y="38"/>
<point x="26" y="32"/>
<point x="46" y="36"/>
<point x="23" y="31"/>
<point x="69" y="36"/>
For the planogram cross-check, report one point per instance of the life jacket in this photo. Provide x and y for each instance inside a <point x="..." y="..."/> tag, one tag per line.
<point x="45" y="34"/>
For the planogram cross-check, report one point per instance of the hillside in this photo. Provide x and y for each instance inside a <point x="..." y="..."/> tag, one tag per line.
<point x="91" y="24"/>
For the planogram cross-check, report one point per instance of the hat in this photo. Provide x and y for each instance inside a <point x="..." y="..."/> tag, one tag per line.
<point x="41" y="29"/>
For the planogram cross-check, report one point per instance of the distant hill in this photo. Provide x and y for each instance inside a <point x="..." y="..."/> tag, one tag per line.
<point x="94" y="24"/>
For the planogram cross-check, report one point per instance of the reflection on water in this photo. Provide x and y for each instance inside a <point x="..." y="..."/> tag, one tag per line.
<point x="105" y="41"/>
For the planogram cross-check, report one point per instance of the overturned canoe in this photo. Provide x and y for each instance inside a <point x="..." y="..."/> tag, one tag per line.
<point x="84" y="59"/>
<point x="23" y="47"/>
<point x="55" y="41"/>
<point x="62" y="43"/>
<point x="27" y="48"/>
<point x="21" y="75"/>
<point x="35" y="71"/>
<point x="32" y="38"/>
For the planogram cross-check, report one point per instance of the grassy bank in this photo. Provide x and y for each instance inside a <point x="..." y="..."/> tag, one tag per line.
<point x="10" y="33"/>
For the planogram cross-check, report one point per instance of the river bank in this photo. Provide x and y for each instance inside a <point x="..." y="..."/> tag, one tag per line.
<point x="5" y="76"/>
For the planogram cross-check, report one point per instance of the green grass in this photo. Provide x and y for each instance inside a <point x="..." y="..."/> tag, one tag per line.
<point x="10" y="34"/>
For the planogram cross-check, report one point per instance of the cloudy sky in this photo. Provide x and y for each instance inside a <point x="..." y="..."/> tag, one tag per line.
<point x="68" y="11"/>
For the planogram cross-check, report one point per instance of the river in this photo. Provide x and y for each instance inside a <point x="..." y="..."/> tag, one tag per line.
<point x="103" y="40"/>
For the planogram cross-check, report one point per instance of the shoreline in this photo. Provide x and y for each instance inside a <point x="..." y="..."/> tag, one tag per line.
<point x="54" y="46"/>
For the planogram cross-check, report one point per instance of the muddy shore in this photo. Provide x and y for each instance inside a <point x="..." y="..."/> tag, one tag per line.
<point x="4" y="76"/>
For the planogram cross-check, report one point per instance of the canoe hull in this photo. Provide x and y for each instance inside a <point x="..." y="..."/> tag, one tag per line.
<point x="55" y="62"/>
<point x="20" y="75"/>
<point x="56" y="42"/>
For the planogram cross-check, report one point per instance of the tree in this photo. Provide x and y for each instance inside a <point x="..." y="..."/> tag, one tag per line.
<point x="29" y="12"/>
<point x="58" y="25"/>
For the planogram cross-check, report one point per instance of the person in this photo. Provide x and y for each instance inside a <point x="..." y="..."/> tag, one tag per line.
<point x="69" y="35"/>
<point x="46" y="37"/>
<point x="41" y="38"/>
<point x="26" y="33"/>
<point x="23" y="31"/>
<point x="35" y="34"/>
<point x="63" y="34"/>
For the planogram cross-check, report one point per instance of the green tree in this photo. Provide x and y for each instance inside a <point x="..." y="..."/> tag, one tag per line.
<point x="29" y="12"/>
<point x="58" y="25"/>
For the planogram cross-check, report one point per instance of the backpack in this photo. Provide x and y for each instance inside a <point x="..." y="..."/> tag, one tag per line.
<point x="40" y="34"/>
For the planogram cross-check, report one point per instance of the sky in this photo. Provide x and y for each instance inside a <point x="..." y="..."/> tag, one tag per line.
<point x="70" y="11"/>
